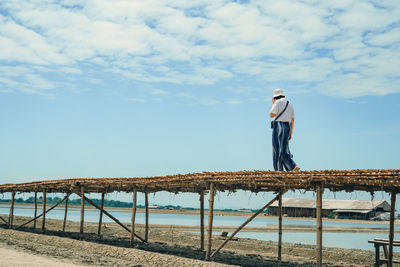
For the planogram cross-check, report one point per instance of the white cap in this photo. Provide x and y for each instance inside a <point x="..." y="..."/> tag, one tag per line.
<point x="277" y="92"/>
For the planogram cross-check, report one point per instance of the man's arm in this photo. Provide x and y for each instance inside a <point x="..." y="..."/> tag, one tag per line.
<point x="291" y="128"/>
<point x="271" y="114"/>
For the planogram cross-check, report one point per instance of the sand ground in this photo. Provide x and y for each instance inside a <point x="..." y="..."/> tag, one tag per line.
<point x="13" y="257"/>
<point x="168" y="246"/>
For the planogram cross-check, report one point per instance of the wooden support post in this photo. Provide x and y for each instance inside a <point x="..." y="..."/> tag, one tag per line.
<point x="210" y="220"/>
<point x="35" y="213"/>
<point x="319" y="226"/>
<point x="66" y="211"/>
<point x="109" y="215"/>
<point x="377" y="260"/>
<point x="133" y="216"/>
<point x="44" y="211"/>
<point x="280" y="226"/>
<point x="391" y="229"/>
<point x="11" y="217"/>
<point x="202" y="220"/>
<point x="101" y="213"/>
<point x="146" y="228"/>
<point x="58" y="203"/>
<point x="82" y="209"/>
<point x="244" y="224"/>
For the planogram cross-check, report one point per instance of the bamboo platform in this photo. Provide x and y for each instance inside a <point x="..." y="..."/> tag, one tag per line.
<point x="256" y="181"/>
<point x="387" y="180"/>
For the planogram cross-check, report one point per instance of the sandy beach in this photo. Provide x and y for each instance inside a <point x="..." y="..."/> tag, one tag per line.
<point x="168" y="246"/>
<point x="15" y="257"/>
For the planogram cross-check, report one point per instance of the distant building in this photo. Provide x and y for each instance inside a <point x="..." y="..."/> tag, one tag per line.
<point x="244" y="210"/>
<point x="346" y="209"/>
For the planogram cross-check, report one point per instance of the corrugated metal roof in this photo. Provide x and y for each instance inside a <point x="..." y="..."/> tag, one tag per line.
<point x="355" y="211"/>
<point x="333" y="204"/>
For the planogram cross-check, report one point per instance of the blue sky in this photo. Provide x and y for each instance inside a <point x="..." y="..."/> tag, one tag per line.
<point x="141" y="88"/>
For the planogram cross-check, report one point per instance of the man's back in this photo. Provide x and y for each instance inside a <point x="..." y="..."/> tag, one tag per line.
<point x="279" y="106"/>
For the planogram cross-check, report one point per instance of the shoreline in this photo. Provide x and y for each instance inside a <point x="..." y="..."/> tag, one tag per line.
<point x="197" y="212"/>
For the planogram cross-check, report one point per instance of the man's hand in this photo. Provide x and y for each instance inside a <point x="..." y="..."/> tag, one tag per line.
<point x="290" y="136"/>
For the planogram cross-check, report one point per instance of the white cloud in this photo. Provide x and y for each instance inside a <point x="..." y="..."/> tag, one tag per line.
<point x="24" y="79"/>
<point x="386" y="38"/>
<point x="137" y="100"/>
<point x="340" y="48"/>
<point x="70" y="70"/>
<point x="208" y="101"/>
<point x="157" y="92"/>
<point x="233" y="102"/>
<point x="37" y="81"/>
<point x="20" y="44"/>
<point x="185" y="95"/>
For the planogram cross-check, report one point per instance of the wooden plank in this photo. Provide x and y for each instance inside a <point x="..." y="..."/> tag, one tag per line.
<point x="384" y="241"/>
<point x="319" y="226"/>
<point x="210" y="220"/>
<point x="244" y="224"/>
<point x="391" y="229"/>
<point x="35" y="212"/>
<point x="101" y="213"/>
<point x="66" y="211"/>
<point x="146" y="222"/>
<point x="202" y="219"/>
<point x="395" y="244"/>
<point x="280" y="226"/>
<point x="11" y="217"/>
<point x="109" y="215"/>
<point x="44" y="211"/>
<point x="82" y="221"/>
<point x="133" y="216"/>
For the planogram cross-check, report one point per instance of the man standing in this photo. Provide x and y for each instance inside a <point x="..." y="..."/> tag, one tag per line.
<point x="282" y="129"/>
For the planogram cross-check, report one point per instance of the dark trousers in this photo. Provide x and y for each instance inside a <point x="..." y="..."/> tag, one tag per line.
<point x="280" y="147"/>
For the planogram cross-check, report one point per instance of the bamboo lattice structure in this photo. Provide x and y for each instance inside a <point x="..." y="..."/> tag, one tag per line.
<point x="256" y="181"/>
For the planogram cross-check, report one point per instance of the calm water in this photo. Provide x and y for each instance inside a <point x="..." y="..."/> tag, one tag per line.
<point x="341" y="240"/>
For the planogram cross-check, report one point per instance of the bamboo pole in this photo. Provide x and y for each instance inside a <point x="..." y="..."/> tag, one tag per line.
<point x="133" y="216"/>
<point x="66" y="211"/>
<point x="109" y="215"/>
<point x="101" y="213"/>
<point x="146" y="229"/>
<point x="44" y="211"/>
<point x="58" y="203"/>
<point x="391" y="229"/>
<point x="244" y="224"/>
<point x="280" y="226"/>
<point x="202" y="220"/>
<point x="35" y="212"/>
<point x="1" y="218"/>
<point x="82" y="209"/>
<point x="11" y="217"/>
<point x="210" y="220"/>
<point x="319" y="226"/>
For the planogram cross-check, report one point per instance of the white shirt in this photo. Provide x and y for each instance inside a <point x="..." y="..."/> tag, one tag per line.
<point x="279" y="106"/>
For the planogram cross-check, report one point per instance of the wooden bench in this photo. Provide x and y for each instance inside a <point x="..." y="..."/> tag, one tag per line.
<point x="384" y="243"/>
